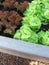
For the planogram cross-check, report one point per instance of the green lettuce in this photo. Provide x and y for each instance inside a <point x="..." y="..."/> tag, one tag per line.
<point x="45" y="39"/>
<point x="33" y="22"/>
<point x="26" y="34"/>
<point x="40" y="36"/>
<point x="40" y="9"/>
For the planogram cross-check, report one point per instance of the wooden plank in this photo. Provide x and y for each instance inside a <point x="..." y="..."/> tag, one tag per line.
<point x="24" y="49"/>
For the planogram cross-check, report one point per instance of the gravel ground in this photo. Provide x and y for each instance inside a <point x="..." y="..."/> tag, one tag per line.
<point x="6" y="59"/>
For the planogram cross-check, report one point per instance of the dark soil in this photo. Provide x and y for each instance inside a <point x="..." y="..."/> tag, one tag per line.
<point x="6" y="59"/>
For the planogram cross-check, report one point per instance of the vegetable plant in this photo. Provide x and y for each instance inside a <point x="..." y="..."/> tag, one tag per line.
<point x="26" y="34"/>
<point x="40" y="36"/>
<point x="35" y="15"/>
<point x="33" y="22"/>
<point x="45" y="38"/>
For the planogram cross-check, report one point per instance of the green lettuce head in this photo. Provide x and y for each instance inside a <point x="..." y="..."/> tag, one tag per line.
<point x="33" y="22"/>
<point x="45" y="39"/>
<point x="40" y="36"/>
<point x="26" y="34"/>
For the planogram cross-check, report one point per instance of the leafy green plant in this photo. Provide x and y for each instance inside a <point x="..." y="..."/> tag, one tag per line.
<point x="40" y="9"/>
<point x="26" y="34"/>
<point x="40" y="36"/>
<point x="45" y="38"/>
<point x="33" y="22"/>
<point x="35" y="15"/>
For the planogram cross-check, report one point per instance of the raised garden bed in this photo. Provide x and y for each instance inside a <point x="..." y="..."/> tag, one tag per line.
<point x="8" y="28"/>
